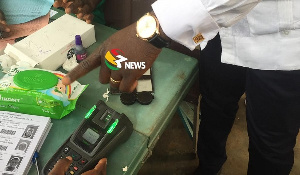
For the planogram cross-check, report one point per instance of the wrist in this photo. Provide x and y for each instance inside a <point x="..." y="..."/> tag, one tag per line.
<point x="149" y="30"/>
<point x="162" y="33"/>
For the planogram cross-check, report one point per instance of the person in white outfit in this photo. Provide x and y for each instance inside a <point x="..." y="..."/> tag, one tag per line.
<point x="257" y="53"/>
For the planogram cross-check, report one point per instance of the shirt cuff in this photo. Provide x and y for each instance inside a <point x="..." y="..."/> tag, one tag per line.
<point x="189" y="24"/>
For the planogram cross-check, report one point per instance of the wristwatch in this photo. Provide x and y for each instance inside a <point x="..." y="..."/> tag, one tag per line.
<point x="147" y="29"/>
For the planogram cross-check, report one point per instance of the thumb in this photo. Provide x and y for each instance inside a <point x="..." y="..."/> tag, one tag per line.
<point x="61" y="166"/>
<point x="101" y="166"/>
<point x="128" y="84"/>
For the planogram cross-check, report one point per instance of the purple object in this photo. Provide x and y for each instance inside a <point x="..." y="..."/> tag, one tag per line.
<point x="78" y="40"/>
<point x="80" y="51"/>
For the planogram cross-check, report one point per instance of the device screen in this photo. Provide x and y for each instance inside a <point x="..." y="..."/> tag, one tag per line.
<point x="92" y="132"/>
<point x="90" y="136"/>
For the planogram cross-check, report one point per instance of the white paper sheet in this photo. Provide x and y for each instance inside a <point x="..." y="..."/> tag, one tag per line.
<point x="20" y="135"/>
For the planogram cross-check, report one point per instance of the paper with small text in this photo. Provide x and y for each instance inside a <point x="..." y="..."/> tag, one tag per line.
<point x="20" y="137"/>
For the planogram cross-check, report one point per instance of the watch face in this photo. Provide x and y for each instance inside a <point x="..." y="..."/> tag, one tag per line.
<point x="146" y="27"/>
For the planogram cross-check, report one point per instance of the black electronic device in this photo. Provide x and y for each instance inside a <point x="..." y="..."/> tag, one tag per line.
<point x="102" y="130"/>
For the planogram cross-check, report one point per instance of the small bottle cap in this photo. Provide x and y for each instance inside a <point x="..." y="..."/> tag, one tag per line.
<point x="78" y="40"/>
<point x="144" y="97"/>
<point x="35" y="79"/>
<point x="128" y="98"/>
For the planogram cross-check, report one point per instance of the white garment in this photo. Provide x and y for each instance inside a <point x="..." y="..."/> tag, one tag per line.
<point x="181" y="20"/>
<point x="268" y="38"/>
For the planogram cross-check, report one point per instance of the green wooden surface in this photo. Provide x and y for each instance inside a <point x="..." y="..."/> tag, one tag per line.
<point x="173" y="74"/>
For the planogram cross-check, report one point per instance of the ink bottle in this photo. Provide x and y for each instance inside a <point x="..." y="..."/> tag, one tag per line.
<point x="80" y="51"/>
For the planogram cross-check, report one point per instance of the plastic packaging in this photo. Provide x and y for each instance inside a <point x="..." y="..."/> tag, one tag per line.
<point x="33" y="97"/>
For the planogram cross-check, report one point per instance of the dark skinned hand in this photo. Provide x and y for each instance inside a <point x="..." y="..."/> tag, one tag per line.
<point x="4" y="30"/>
<point x="134" y="49"/>
<point x="83" y="9"/>
<point x="61" y="167"/>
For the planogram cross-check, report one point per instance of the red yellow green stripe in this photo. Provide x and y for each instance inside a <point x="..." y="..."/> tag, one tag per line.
<point x="111" y="59"/>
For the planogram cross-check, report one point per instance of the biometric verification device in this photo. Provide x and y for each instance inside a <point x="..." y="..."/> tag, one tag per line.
<point x="102" y="130"/>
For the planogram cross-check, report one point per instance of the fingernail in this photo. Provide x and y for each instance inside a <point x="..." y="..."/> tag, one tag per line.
<point x="69" y="158"/>
<point x="105" y="159"/>
<point x="66" y="80"/>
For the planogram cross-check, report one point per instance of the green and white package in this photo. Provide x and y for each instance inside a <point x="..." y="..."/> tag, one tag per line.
<point x="55" y="102"/>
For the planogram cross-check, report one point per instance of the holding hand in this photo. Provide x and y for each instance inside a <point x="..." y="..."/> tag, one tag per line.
<point x="61" y="167"/>
<point x="4" y="30"/>
<point x="123" y="46"/>
<point x="83" y="9"/>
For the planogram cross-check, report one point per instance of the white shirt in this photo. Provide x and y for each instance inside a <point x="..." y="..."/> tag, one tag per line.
<point x="267" y="38"/>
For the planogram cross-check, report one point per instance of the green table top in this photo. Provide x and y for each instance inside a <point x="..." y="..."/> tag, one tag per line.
<point x="173" y="74"/>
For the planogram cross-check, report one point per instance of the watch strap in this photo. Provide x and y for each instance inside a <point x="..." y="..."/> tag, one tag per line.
<point x="158" y="41"/>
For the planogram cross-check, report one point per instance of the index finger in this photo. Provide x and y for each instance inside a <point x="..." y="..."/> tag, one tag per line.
<point x="90" y="63"/>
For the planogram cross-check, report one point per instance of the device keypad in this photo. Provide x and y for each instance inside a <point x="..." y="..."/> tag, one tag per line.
<point x="83" y="161"/>
<point x="70" y="172"/>
<point x="82" y="144"/>
<point x="76" y="165"/>
<point x="75" y="156"/>
<point x="78" y="161"/>
<point x="66" y="149"/>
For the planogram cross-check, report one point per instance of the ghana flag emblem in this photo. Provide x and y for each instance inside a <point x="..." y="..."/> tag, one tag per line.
<point x="113" y="59"/>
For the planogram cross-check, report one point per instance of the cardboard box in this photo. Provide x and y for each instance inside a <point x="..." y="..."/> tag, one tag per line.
<point x="47" y="48"/>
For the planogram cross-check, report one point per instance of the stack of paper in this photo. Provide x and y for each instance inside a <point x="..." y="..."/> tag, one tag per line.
<point x="21" y="135"/>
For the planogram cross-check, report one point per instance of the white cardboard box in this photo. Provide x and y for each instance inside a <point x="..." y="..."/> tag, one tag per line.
<point x="47" y="48"/>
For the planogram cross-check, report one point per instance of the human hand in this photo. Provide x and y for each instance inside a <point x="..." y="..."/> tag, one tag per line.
<point x="126" y="59"/>
<point x="4" y="29"/>
<point x="61" y="167"/>
<point x="82" y="9"/>
<point x="123" y="43"/>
